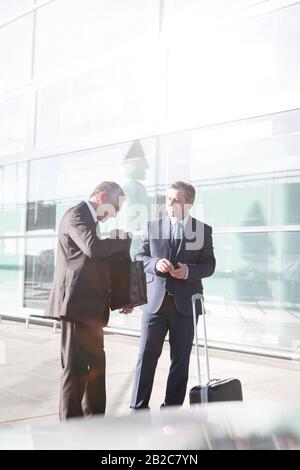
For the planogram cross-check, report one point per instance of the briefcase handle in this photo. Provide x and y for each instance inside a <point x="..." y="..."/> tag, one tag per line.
<point x="200" y="297"/>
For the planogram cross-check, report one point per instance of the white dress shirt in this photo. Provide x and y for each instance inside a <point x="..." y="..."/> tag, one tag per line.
<point x="183" y="222"/>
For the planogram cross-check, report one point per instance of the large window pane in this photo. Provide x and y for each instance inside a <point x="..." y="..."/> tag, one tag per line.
<point x="105" y="104"/>
<point x="11" y="8"/>
<point x="14" y="125"/>
<point x="12" y="199"/>
<point x="266" y="203"/>
<point x="94" y="28"/>
<point x="247" y="174"/>
<point x="11" y="272"/>
<point x="255" y="267"/>
<point x="193" y="16"/>
<point x="246" y="69"/>
<point x="39" y="269"/>
<point x="42" y="193"/>
<point x="16" y="53"/>
<point x="12" y="229"/>
<point x="257" y="285"/>
<point x="72" y="177"/>
<point x="187" y="13"/>
<point x="254" y="146"/>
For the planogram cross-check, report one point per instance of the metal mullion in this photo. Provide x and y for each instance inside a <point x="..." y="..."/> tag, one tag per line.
<point x="36" y="7"/>
<point x="258" y="229"/>
<point x="25" y="238"/>
<point x="44" y="235"/>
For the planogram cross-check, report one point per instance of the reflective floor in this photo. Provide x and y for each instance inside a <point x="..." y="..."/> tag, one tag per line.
<point x="30" y="371"/>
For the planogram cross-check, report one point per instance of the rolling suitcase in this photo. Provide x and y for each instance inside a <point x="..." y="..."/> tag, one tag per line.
<point x="215" y="389"/>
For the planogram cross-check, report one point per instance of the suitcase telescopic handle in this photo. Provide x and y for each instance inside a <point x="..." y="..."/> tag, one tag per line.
<point x="200" y="297"/>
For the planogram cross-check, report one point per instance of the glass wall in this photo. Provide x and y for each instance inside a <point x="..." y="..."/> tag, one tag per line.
<point x="96" y="28"/>
<point x="236" y="71"/>
<point x="16" y="53"/>
<point x="12" y="234"/>
<point x="70" y="179"/>
<point x="12" y="8"/>
<point x="100" y="105"/>
<point x="251" y="203"/>
<point x="145" y="93"/>
<point x="14" y="118"/>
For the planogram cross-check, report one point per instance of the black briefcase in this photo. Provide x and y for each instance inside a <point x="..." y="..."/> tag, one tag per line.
<point x="215" y="389"/>
<point x="128" y="284"/>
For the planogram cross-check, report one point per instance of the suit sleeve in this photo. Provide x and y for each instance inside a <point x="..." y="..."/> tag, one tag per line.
<point x="206" y="263"/>
<point x="143" y="253"/>
<point x="87" y="240"/>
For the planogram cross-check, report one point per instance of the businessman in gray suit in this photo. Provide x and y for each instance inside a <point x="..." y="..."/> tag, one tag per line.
<point x="177" y="252"/>
<point x="80" y="297"/>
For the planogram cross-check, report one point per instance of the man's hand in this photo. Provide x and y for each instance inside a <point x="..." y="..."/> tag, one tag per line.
<point x="126" y="310"/>
<point x="164" y="265"/>
<point x="180" y="272"/>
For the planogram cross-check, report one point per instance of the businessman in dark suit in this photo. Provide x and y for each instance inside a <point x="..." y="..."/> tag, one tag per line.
<point x="177" y="252"/>
<point x="80" y="298"/>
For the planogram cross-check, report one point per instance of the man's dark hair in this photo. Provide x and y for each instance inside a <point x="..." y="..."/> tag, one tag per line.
<point x="112" y="189"/>
<point x="187" y="188"/>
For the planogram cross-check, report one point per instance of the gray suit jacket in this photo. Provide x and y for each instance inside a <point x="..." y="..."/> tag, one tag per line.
<point x="195" y="249"/>
<point x="81" y="285"/>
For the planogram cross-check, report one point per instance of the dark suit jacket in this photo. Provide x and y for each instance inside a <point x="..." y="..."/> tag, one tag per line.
<point x="195" y="249"/>
<point x="81" y="286"/>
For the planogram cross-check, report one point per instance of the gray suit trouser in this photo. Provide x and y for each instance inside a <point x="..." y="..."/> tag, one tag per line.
<point x="83" y="376"/>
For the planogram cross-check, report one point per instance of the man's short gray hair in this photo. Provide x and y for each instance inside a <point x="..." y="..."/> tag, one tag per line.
<point x="187" y="188"/>
<point x="112" y="189"/>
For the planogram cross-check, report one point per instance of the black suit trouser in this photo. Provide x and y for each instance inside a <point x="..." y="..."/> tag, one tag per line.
<point x="154" y="330"/>
<point x="83" y="376"/>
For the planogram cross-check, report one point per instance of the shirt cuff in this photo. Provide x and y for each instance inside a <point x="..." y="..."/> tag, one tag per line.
<point x="187" y="272"/>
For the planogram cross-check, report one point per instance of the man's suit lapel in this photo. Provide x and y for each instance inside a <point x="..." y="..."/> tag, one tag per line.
<point x="166" y="230"/>
<point x="165" y="233"/>
<point x="188" y="235"/>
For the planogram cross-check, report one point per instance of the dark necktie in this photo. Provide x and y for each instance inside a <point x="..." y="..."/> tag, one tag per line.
<point x="176" y="236"/>
<point x="97" y="227"/>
